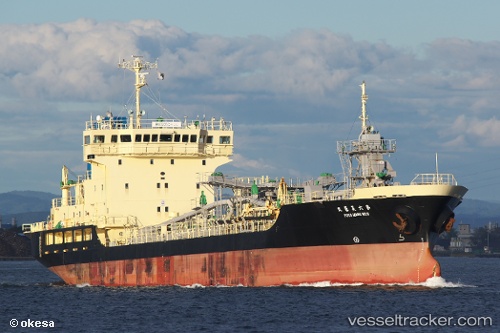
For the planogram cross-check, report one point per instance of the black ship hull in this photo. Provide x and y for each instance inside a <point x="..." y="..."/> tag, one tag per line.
<point x="310" y="242"/>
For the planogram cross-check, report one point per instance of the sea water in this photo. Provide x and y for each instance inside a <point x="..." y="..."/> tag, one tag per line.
<point x="465" y="299"/>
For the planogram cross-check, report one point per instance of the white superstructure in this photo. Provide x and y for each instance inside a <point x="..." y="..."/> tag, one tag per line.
<point x="142" y="171"/>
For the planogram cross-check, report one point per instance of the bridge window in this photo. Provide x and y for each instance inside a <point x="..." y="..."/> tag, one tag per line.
<point x="68" y="236"/>
<point x="146" y="137"/>
<point x="193" y="138"/>
<point x="138" y="138"/>
<point x="58" y="237"/>
<point x="87" y="234"/>
<point x="165" y="137"/>
<point x="125" y="138"/>
<point x="225" y="140"/>
<point x="154" y="138"/>
<point x="86" y="139"/>
<point x="185" y="138"/>
<point x="210" y="139"/>
<point x="177" y="138"/>
<point x="114" y="138"/>
<point x="78" y="235"/>
<point x="98" y="138"/>
<point x="49" y="238"/>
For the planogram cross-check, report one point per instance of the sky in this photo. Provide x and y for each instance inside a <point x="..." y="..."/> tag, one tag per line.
<point x="286" y="73"/>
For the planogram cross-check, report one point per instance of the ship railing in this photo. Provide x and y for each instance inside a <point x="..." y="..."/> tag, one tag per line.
<point x="241" y="181"/>
<point x="58" y="202"/>
<point x="317" y="196"/>
<point x="260" y="181"/>
<point x="160" y="122"/>
<point x="117" y="221"/>
<point x="161" y="233"/>
<point x="338" y="195"/>
<point x="434" y="179"/>
<point x="160" y="149"/>
<point x="383" y="146"/>
<point x="34" y="227"/>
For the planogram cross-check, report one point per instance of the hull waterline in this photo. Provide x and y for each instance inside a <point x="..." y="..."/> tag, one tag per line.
<point x="345" y="264"/>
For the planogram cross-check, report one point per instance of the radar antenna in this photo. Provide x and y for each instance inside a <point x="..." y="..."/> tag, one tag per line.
<point x="137" y="65"/>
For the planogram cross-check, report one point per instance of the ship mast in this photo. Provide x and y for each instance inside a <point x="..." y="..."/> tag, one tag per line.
<point x="363" y="160"/>
<point x="137" y="65"/>
<point x="364" y="116"/>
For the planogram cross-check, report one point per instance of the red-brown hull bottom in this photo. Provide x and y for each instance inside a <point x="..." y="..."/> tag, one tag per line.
<point x="360" y="263"/>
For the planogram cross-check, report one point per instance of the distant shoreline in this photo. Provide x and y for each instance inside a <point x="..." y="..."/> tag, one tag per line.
<point x="16" y="258"/>
<point x="466" y="255"/>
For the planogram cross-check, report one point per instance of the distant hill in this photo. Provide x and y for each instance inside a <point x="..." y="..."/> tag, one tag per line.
<point x="479" y="208"/>
<point x="25" y="201"/>
<point x="477" y="213"/>
<point x="24" y="206"/>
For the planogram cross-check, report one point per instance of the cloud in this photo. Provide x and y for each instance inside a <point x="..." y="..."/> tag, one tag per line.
<point x="477" y="132"/>
<point x="77" y="60"/>
<point x="290" y="98"/>
<point x="244" y="163"/>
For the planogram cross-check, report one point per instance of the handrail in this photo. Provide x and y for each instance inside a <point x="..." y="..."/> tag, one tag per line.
<point x="364" y="146"/>
<point x="160" y="123"/>
<point x="434" y="179"/>
<point x="158" y="233"/>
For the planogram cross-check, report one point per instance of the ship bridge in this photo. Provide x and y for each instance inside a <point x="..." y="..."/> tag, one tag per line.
<point x="142" y="166"/>
<point x="165" y="137"/>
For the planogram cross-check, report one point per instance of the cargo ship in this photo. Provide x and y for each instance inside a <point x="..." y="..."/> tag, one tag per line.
<point x="152" y="209"/>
